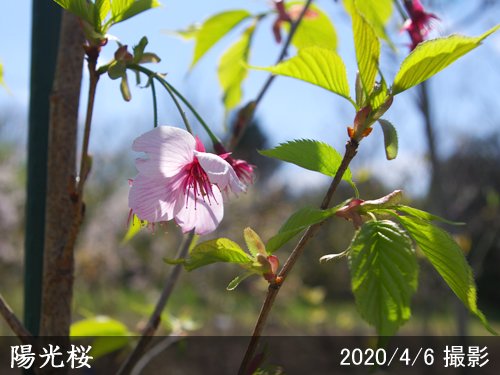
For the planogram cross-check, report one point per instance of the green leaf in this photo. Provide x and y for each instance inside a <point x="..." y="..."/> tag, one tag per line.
<point x="415" y="212"/>
<point x="232" y="69"/>
<point x="298" y="222"/>
<point x="432" y="56"/>
<point x="237" y="280"/>
<point x="378" y="14"/>
<point x="138" y="50"/>
<point x="2" y="82"/>
<point x="384" y="275"/>
<point x="218" y="250"/>
<point x="390" y="139"/>
<point x="315" y="29"/>
<point x="81" y="8"/>
<point x="309" y="154"/>
<point x="319" y="66"/>
<point x="125" y="89"/>
<point x="98" y="326"/>
<point x="447" y="258"/>
<point x="367" y="47"/>
<point x="189" y="33"/>
<point x="254" y="242"/>
<point x="125" y="9"/>
<point x="116" y="334"/>
<point x="214" y="28"/>
<point x="101" y="10"/>
<point x="134" y="227"/>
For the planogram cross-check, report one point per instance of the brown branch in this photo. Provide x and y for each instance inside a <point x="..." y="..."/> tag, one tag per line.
<point x="14" y="323"/>
<point x="155" y="317"/>
<point x="272" y="292"/>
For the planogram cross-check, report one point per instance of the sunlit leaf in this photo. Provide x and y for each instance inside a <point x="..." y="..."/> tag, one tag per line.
<point x="415" y="212"/>
<point x="134" y="227"/>
<point x="213" y="251"/>
<point x="2" y="82"/>
<point x="101" y="11"/>
<point x="116" y="334"/>
<point x="298" y="222"/>
<point x="319" y="66"/>
<point x="315" y="29"/>
<point x="214" y="28"/>
<point x="81" y="8"/>
<point x="367" y="47"/>
<point x="447" y="258"/>
<point x="310" y="154"/>
<point x="232" y="69"/>
<point x="187" y="34"/>
<point x="384" y="275"/>
<point x="432" y="56"/>
<point x="99" y="326"/>
<point x="238" y="279"/>
<point x="254" y="242"/>
<point x="390" y="139"/>
<point x="124" y="9"/>
<point x="378" y="14"/>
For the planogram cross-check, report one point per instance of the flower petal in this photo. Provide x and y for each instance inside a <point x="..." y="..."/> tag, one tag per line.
<point x="152" y="199"/>
<point x="168" y="149"/>
<point x="199" y="214"/>
<point x="220" y="172"/>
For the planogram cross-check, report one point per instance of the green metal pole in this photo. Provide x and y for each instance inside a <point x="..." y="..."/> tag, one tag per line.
<point x="46" y="22"/>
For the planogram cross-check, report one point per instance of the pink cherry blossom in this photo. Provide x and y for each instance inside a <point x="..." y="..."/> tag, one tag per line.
<point x="418" y="25"/>
<point x="243" y="169"/>
<point x="179" y="180"/>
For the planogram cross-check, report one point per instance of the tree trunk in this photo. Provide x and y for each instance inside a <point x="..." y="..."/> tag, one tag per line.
<point x="63" y="207"/>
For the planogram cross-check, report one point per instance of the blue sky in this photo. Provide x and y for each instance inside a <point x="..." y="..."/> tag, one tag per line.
<point x="465" y="96"/>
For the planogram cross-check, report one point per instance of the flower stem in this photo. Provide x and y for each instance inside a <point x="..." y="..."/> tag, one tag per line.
<point x="176" y="102"/>
<point x="212" y="136"/>
<point x="155" y="104"/>
<point x="272" y="292"/>
<point x="155" y="317"/>
<point x="172" y="90"/>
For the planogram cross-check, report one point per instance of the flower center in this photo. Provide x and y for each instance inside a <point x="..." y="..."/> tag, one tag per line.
<point x="197" y="183"/>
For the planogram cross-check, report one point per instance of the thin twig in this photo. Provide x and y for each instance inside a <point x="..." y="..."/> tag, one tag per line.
<point x="265" y="87"/>
<point x="155" y="317"/>
<point x="14" y="323"/>
<point x="284" y="51"/>
<point x="84" y="161"/>
<point x="350" y="152"/>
